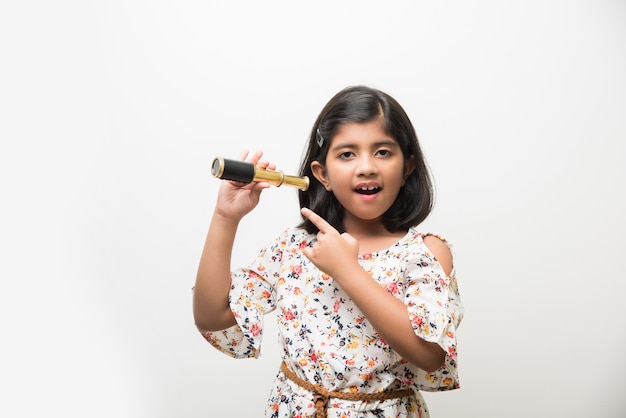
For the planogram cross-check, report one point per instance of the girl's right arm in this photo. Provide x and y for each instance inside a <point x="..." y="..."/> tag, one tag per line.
<point x="211" y="309"/>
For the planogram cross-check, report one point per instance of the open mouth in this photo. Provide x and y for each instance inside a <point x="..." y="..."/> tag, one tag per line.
<point x="367" y="190"/>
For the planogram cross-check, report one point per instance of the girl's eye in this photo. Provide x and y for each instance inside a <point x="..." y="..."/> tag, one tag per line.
<point x="346" y="155"/>
<point x="383" y="152"/>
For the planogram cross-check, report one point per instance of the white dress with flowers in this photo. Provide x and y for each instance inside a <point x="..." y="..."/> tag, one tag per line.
<point x="327" y="340"/>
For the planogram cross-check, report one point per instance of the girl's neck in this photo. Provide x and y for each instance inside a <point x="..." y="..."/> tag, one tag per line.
<point x="372" y="236"/>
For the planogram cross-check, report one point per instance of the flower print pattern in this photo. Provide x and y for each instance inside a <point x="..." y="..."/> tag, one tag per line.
<point x="328" y="341"/>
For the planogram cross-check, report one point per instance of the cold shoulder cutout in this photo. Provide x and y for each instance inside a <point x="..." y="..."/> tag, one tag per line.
<point x="441" y="250"/>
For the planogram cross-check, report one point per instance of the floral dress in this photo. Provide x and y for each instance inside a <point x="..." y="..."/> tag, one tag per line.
<point x="327" y="340"/>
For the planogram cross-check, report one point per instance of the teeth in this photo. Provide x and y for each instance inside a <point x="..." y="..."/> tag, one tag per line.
<point x="368" y="188"/>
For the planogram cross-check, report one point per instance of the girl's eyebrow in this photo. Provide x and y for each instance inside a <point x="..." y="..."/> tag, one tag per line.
<point x="383" y="142"/>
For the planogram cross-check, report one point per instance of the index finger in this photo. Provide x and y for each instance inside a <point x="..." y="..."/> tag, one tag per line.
<point x="317" y="220"/>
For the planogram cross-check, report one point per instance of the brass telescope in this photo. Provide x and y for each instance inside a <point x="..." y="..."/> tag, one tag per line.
<point x="245" y="172"/>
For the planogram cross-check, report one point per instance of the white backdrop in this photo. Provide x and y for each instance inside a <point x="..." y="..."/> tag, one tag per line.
<point x="112" y="111"/>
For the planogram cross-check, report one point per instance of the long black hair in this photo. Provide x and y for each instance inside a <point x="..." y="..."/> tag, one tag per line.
<point x="362" y="104"/>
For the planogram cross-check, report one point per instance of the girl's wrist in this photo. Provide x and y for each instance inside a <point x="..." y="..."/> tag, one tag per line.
<point x="348" y="271"/>
<point x="226" y="220"/>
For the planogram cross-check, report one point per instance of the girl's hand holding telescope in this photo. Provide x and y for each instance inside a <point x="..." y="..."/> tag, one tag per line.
<point x="236" y="199"/>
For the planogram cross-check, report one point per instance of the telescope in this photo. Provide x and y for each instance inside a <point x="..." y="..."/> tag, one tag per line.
<point x="245" y="172"/>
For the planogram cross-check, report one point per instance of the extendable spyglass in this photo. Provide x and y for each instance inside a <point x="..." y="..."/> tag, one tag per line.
<point x="245" y="172"/>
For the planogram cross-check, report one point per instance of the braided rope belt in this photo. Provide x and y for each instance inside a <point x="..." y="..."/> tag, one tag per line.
<point x="321" y="395"/>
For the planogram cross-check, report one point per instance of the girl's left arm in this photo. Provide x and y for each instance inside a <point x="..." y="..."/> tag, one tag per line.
<point x="337" y="255"/>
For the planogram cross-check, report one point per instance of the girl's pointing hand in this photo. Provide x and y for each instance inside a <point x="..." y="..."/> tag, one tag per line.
<point x="333" y="253"/>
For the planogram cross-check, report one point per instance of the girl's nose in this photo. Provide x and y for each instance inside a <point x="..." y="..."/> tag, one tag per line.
<point x="366" y="166"/>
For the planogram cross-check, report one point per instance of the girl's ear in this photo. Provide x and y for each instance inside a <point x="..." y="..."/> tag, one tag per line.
<point x="409" y="166"/>
<point x="319" y="172"/>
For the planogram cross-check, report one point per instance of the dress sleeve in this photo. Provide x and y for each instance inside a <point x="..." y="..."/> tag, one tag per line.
<point x="435" y="311"/>
<point x="251" y="296"/>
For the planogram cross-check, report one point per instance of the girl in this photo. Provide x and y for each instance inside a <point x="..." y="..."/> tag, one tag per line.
<point x="367" y="306"/>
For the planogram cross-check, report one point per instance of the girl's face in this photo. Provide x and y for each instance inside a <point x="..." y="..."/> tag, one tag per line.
<point x="365" y="169"/>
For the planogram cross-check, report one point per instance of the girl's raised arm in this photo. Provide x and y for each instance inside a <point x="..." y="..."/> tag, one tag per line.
<point x="211" y="310"/>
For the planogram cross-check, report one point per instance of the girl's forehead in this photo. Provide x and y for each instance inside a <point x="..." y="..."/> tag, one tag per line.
<point x="359" y="132"/>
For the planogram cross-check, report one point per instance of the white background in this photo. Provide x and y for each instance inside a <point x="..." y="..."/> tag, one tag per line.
<point x="112" y="111"/>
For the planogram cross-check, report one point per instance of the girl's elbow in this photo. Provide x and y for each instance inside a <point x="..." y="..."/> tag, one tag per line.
<point x="202" y="320"/>
<point x="203" y="326"/>
<point x="430" y="360"/>
<point x="206" y="323"/>
<point x="436" y="361"/>
<point x="213" y="323"/>
<point x="433" y="366"/>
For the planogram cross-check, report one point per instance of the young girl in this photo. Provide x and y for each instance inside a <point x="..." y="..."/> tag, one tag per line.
<point x="367" y="306"/>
